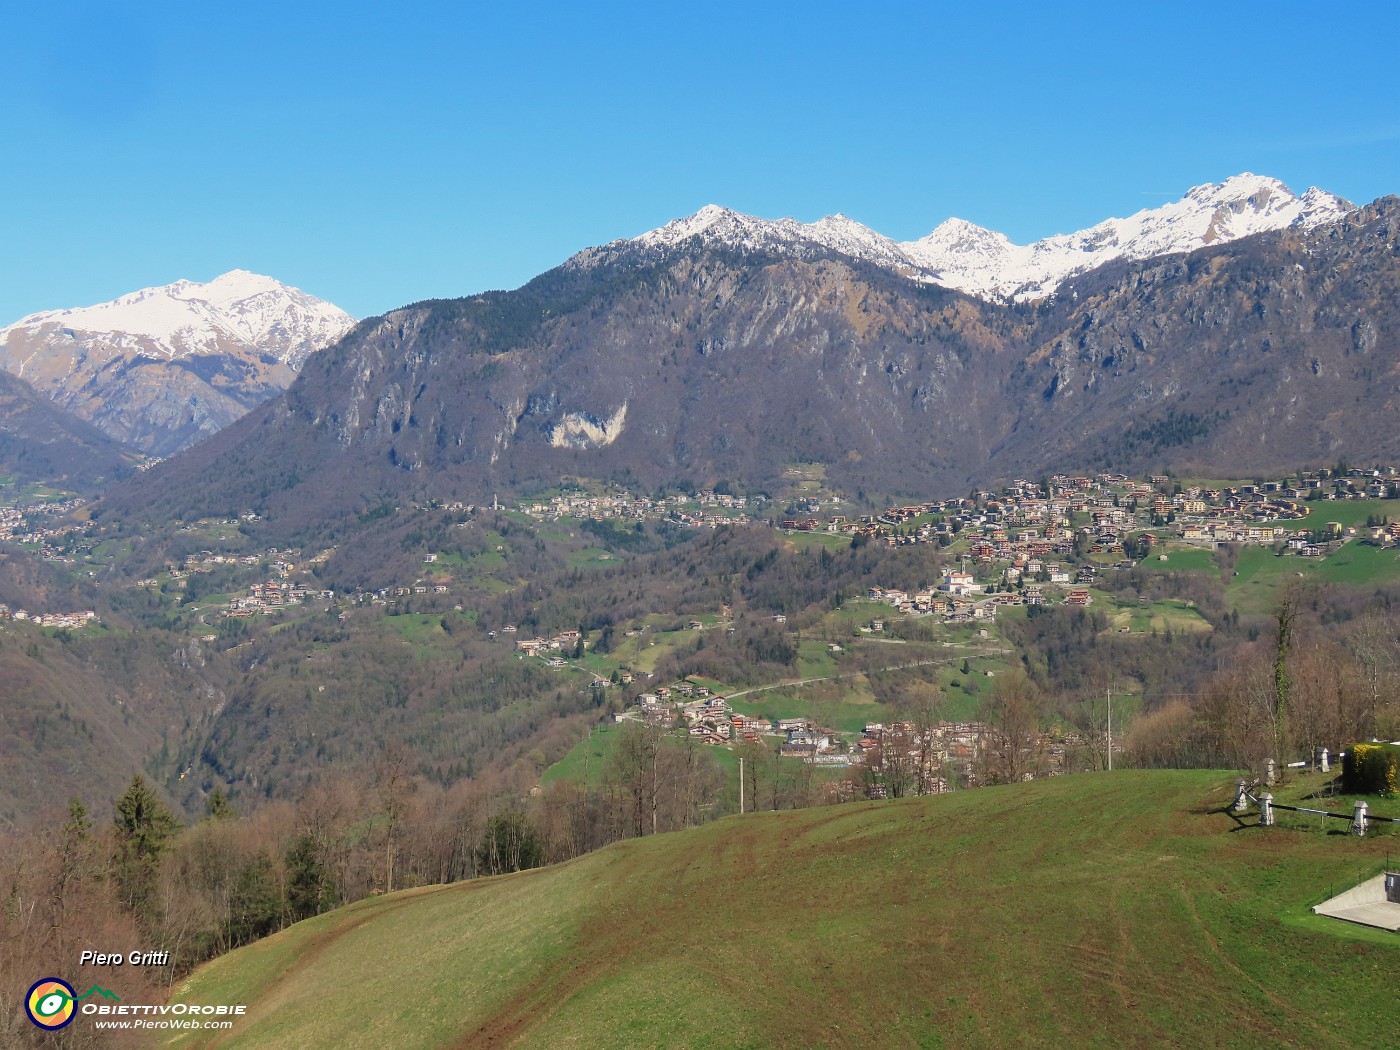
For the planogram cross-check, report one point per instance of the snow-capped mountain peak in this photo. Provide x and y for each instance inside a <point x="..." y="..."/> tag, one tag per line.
<point x="163" y="366"/>
<point x="707" y="218"/>
<point x="959" y="254"/>
<point x="958" y="238"/>
<point x="186" y="317"/>
<point x="736" y="231"/>
<point x="989" y="265"/>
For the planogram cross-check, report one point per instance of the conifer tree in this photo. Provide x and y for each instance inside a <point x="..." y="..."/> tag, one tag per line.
<point x="145" y="827"/>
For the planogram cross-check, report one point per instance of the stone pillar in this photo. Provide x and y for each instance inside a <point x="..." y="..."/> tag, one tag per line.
<point x="1241" y="798"/>
<point x="1320" y="760"/>
<point x="1269" y="773"/>
<point x="1266" y="810"/>
<point x="1358" y="819"/>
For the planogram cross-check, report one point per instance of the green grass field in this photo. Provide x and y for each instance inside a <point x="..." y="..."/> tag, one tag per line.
<point x="586" y="762"/>
<point x="476" y="564"/>
<point x="856" y="612"/>
<point x="1361" y="564"/>
<point x="1159" y="616"/>
<point x="964" y="694"/>
<point x="832" y="541"/>
<point x="642" y="652"/>
<point x="1261" y="575"/>
<point x="419" y="628"/>
<point x="1106" y="910"/>
<point x="591" y="558"/>
<point x="1343" y="512"/>
<point x="602" y="664"/>
<point x="814" y="661"/>
<point x="39" y="492"/>
<point x="1181" y="559"/>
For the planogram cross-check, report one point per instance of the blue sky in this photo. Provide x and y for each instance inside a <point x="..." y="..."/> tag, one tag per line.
<point x="376" y="156"/>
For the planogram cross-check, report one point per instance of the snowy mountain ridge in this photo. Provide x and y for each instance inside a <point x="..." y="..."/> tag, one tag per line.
<point x="961" y="255"/>
<point x="189" y="318"/>
<point x="163" y="367"/>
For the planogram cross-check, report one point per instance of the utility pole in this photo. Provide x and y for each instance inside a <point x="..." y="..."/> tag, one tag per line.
<point x="1110" y="727"/>
<point x="741" y="785"/>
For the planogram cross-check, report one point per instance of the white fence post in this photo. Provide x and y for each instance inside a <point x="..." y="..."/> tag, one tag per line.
<point x="1241" y="798"/>
<point x="1266" y="810"/>
<point x="1269" y="773"/>
<point x="1320" y="760"/>
<point x="1358" y="819"/>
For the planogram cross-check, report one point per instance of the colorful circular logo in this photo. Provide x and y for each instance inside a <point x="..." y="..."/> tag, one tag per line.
<point x="49" y="1003"/>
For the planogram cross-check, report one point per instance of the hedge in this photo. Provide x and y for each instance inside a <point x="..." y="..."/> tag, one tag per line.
<point x="1371" y="769"/>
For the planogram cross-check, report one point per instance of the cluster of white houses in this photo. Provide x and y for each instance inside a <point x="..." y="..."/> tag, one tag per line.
<point x="64" y="619"/>
<point x="703" y="509"/>
<point x="959" y="598"/>
<point x="563" y="642"/>
<point x="272" y="595"/>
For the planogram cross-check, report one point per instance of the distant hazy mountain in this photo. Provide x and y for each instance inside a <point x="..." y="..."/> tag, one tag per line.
<point x="163" y="367"/>
<point x="986" y="264"/>
<point x="41" y="442"/>
<point x="711" y="358"/>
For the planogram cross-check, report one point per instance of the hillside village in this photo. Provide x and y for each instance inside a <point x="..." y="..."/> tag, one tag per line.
<point x="1028" y="545"/>
<point x="1031" y="543"/>
<point x="19" y="520"/>
<point x="1025" y="519"/>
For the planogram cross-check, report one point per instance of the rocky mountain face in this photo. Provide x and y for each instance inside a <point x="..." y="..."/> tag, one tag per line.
<point x="707" y="362"/>
<point x="164" y="367"/>
<point x="1263" y="355"/>
<point x="41" y="442"/>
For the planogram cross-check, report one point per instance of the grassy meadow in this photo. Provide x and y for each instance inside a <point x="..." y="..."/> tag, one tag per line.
<point x="1107" y="910"/>
<point x="1261" y="575"/>
<point x="1345" y="513"/>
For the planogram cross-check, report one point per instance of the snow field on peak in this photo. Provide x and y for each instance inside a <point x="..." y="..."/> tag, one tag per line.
<point x="981" y="262"/>
<point x="187" y="317"/>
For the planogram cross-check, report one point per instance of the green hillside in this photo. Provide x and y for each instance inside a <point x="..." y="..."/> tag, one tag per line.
<point x="1111" y="910"/>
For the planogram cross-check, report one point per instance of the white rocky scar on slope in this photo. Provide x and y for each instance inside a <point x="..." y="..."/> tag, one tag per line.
<point x="579" y="431"/>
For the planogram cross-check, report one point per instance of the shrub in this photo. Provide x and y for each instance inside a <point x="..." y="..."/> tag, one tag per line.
<point x="1371" y="769"/>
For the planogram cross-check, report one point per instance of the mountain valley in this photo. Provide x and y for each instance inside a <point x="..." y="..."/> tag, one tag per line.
<point x="693" y="526"/>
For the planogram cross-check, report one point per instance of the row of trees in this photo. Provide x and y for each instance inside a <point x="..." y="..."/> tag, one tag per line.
<point x="1281" y="699"/>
